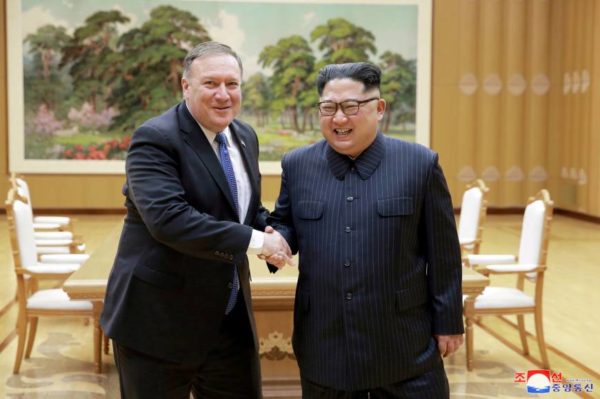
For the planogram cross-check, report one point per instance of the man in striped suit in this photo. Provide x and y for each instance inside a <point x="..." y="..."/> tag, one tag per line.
<point x="378" y="302"/>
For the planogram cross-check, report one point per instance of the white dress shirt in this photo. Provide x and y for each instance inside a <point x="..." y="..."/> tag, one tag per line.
<point x="242" y="181"/>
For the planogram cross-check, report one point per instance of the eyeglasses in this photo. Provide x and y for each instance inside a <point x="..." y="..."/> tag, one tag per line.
<point x="349" y="107"/>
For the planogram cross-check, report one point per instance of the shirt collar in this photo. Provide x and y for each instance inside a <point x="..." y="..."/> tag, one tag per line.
<point x="366" y="163"/>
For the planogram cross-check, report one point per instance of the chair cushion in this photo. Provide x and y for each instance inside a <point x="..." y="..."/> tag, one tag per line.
<point x="53" y="235"/>
<point x="66" y="258"/>
<point x="53" y="267"/>
<point x="52" y="219"/>
<point x="55" y="299"/>
<point x="503" y="297"/>
<point x="53" y="250"/>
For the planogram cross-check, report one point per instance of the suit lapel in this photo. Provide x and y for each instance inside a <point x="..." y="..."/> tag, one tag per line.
<point x="195" y="138"/>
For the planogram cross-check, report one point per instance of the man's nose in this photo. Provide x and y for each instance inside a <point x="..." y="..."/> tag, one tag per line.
<point x="339" y="115"/>
<point x="221" y="91"/>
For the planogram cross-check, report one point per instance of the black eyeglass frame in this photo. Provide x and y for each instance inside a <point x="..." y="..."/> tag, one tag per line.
<point x="343" y="107"/>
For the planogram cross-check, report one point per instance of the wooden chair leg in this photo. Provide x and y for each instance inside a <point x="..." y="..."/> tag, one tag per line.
<point x="539" y="332"/>
<point x="523" y="333"/>
<point x="33" y="322"/>
<point x="97" y="336"/>
<point x="469" y="309"/>
<point x="106" y="344"/>
<point x="21" y="337"/>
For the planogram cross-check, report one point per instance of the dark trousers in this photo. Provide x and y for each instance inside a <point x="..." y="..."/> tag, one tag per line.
<point x="230" y="371"/>
<point x="431" y="385"/>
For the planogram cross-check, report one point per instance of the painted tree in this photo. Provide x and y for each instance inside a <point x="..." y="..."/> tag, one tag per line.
<point x="43" y="82"/>
<point x="46" y="45"/>
<point x="91" y="56"/>
<point x="292" y="61"/>
<point x="398" y="87"/>
<point x="342" y="41"/>
<point x="257" y="97"/>
<point x="150" y="61"/>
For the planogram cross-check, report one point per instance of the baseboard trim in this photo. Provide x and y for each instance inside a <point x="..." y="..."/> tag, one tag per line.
<point x="578" y="215"/>
<point x="491" y="211"/>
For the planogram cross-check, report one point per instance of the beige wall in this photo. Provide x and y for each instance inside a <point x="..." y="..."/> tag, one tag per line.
<point x="500" y="109"/>
<point x="513" y="94"/>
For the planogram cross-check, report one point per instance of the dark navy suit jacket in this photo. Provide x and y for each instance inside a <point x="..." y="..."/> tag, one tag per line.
<point x="380" y="266"/>
<point x="170" y="282"/>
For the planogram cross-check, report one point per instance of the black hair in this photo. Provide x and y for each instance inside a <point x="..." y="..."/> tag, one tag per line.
<point x="365" y="72"/>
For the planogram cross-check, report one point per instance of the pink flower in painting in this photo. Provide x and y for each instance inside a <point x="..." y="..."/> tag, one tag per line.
<point x="88" y="117"/>
<point x="45" y="121"/>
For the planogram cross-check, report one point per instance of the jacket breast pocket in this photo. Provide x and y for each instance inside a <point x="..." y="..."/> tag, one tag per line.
<point x="399" y="206"/>
<point x="310" y="210"/>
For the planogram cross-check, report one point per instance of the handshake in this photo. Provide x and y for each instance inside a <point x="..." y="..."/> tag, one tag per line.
<point x="275" y="249"/>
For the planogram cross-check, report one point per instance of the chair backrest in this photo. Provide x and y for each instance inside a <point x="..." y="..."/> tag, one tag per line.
<point x="473" y="210"/>
<point x="20" y="225"/>
<point x="535" y="231"/>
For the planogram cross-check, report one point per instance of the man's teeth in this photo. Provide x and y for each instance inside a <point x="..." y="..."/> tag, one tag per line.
<point x="342" y="132"/>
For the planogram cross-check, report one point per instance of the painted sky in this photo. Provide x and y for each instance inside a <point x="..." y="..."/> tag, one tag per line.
<point x="247" y="26"/>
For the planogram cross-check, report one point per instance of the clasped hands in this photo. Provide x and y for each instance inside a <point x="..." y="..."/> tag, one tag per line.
<point x="275" y="249"/>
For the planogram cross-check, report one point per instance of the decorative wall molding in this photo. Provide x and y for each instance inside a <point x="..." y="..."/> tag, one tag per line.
<point x="492" y="84"/>
<point x="514" y="173"/>
<point x="540" y="84"/>
<point x="517" y="84"/>
<point x="467" y="174"/>
<point x="468" y="84"/>
<point x="491" y="173"/>
<point x="276" y="347"/>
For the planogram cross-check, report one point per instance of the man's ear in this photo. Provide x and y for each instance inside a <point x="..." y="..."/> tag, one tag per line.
<point x="184" y="83"/>
<point x="381" y="104"/>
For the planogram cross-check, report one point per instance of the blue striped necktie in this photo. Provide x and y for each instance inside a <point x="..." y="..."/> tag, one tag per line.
<point x="230" y="175"/>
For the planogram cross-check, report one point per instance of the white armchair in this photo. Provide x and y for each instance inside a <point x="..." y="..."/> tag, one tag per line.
<point x="41" y="223"/>
<point x="50" y="237"/>
<point x="529" y="265"/>
<point x="34" y="301"/>
<point x="473" y="210"/>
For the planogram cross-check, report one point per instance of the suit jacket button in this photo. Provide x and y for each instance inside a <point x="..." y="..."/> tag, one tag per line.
<point x="230" y="285"/>
<point x="348" y="296"/>
<point x="348" y="229"/>
<point x="350" y="198"/>
<point x="347" y="263"/>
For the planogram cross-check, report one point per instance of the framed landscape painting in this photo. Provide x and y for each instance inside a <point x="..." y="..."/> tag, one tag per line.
<point x="83" y="74"/>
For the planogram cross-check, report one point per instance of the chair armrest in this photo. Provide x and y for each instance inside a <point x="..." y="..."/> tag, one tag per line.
<point x="47" y="227"/>
<point x="52" y="219"/>
<point x="483" y="259"/>
<point x="46" y="250"/>
<point x="53" y="235"/>
<point x="50" y="271"/>
<point x="514" y="268"/>
<point x="53" y="243"/>
<point x="64" y="258"/>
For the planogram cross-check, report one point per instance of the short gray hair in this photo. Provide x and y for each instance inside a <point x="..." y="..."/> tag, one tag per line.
<point x="207" y="49"/>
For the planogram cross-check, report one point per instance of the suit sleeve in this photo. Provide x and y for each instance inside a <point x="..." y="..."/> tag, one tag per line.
<point x="156" y="190"/>
<point x="444" y="270"/>
<point x="281" y="218"/>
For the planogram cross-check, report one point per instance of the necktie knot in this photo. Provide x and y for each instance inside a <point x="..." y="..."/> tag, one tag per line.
<point x="221" y="138"/>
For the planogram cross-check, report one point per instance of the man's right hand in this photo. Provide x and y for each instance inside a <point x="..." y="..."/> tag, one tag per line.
<point x="276" y="250"/>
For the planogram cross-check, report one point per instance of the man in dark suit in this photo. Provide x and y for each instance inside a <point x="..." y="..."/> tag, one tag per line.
<point x="178" y="304"/>
<point x="378" y="301"/>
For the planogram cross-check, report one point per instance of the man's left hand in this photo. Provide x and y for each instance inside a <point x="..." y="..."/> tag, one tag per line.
<point x="448" y="344"/>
